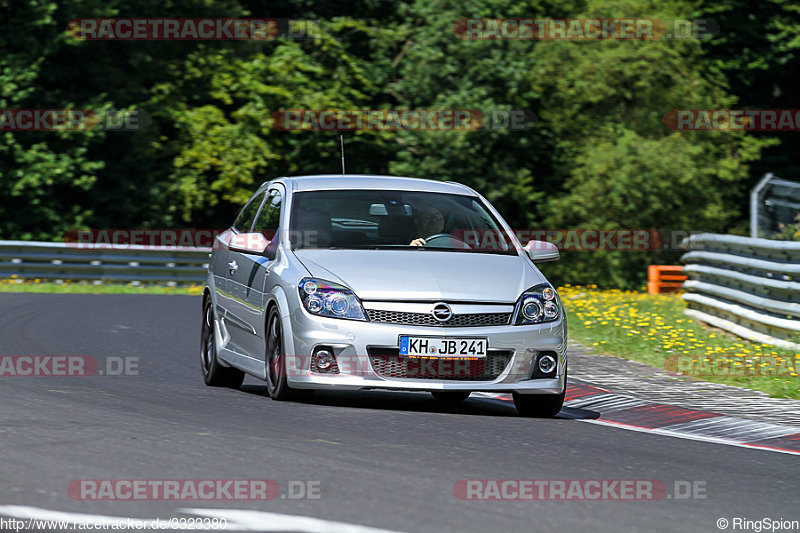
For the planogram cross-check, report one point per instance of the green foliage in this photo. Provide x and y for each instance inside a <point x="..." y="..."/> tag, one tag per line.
<point x="599" y="156"/>
<point x="39" y="172"/>
<point x="229" y="146"/>
<point x="789" y="232"/>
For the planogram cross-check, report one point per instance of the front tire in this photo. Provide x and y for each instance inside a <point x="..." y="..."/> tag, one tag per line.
<point x="214" y="374"/>
<point x="277" y="385"/>
<point x="540" y="405"/>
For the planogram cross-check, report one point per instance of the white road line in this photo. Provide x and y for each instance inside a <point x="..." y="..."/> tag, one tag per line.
<point x="740" y="429"/>
<point x="687" y="436"/>
<point x="238" y="520"/>
<point x="262" y="521"/>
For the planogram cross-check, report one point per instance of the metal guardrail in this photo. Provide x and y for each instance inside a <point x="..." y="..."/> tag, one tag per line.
<point x="101" y="263"/>
<point x="773" y="201"/>
<point x="748" y="286"/>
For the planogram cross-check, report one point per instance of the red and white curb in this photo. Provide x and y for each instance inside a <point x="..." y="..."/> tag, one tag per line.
<point x="631" y="413"/>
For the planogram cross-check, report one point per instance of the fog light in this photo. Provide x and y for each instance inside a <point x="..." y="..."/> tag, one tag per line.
<point x="547" y="364"/>
<point x="324" y="360"/>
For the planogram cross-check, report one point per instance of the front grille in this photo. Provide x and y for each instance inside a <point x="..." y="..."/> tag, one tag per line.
<point x="427" y="319"/>
<point x="387" y="363"/>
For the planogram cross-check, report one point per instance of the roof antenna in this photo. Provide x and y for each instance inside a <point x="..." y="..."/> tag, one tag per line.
<point x="341" y="142"/>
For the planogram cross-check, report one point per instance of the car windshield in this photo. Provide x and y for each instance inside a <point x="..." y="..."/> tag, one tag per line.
<point x="386" y="219"/>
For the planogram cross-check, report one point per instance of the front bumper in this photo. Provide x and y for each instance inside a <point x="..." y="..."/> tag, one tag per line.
<point x="353" y="340"/>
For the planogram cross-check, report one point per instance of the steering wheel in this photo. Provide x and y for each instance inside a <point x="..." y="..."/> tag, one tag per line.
<point x="452" y="240"/>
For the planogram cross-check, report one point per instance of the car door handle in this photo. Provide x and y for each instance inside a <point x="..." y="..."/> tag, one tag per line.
<point x="232" y="267"/>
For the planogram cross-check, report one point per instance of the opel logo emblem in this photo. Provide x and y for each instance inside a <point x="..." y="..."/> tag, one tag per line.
<point x="442" y="312"/>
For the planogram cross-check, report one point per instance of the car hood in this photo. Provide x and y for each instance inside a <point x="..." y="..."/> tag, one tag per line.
<point x="424" y="275"/>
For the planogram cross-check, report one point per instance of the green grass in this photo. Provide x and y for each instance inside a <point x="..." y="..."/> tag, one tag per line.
<point x="654" y="330"/>
<point x="89" y="288"/>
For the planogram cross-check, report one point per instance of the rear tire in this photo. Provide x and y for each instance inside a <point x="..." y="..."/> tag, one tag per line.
<point x="214" y="374"/>
<point x="540" y="405"/>
<point x="450" y="396"/>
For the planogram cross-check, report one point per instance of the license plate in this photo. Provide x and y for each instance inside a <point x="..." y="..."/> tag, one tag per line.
<point x="455" y="348"/>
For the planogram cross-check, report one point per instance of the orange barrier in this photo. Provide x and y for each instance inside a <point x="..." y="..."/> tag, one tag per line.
<point x="664" y="278"/>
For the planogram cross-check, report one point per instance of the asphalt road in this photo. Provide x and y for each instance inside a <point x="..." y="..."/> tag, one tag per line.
<point x="387" y="460"/>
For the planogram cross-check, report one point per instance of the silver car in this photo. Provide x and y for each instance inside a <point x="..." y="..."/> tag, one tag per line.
<point x="379" y="282"/>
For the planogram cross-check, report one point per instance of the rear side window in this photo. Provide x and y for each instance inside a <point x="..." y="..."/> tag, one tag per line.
<point x="270" y="215"/>
<point x="245" y="219"/>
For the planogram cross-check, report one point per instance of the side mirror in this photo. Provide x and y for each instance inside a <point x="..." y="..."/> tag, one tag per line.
<point x="249" y="243"/>
<point x="542" y="251"/>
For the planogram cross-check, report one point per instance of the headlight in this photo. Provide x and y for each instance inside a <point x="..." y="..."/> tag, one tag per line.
<point x="325" y="298"/>
<point x="537" y="305"/>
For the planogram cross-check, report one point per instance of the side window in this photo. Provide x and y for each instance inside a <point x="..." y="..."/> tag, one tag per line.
<point x="270" y="215"/>
<point x="248" y="214"/>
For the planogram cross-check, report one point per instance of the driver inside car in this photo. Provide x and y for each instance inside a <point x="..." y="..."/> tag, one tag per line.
<point x="428" y="221"/>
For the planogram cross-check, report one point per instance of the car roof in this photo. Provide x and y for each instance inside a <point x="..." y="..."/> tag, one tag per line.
<point x="364" y="181"/>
